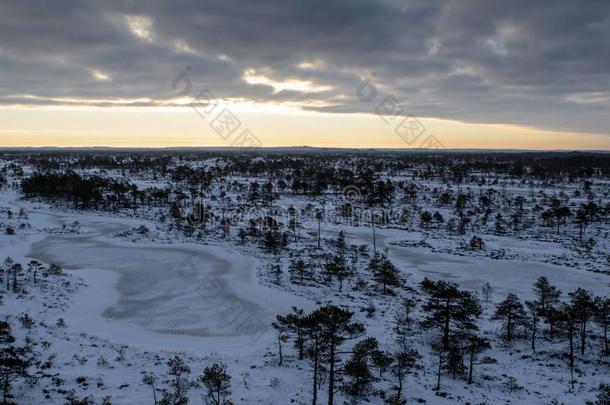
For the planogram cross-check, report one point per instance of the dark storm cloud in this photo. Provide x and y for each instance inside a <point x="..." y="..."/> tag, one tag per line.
<point x="540" y="63"/>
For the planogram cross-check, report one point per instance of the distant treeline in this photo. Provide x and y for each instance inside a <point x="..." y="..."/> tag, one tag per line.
<point x="83" y="192"/>
<point x="93" y="192"/>
<point x="539" y="165"/>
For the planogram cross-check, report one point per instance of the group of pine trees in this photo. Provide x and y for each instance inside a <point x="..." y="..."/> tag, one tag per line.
<point x="226" y="204"/>
<point x="454" y="315"/>
<point x="13" y="273"/>
<point x="568" y="319"/>
<point x="15" y="360"/>
<point x="215" y="379"/>
<point x="319" y="337"/>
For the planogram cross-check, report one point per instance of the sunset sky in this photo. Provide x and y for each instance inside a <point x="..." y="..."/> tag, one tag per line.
<point x="346" y="73"/>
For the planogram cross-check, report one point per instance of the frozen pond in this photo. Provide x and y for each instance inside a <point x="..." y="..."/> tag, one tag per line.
<point x="506" y="276"/>
<point x="179" y="290"/>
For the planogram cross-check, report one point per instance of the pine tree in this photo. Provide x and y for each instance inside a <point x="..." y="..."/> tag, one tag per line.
<point x="425" y="218"/>
<point x="451" y="310"/>
<point x="381" y="360"/>
<point x="294" y="324"/>
<point x="14" y="361"/>
<point x="253" y="194"/>
<point x="547" y="294"/>
<point x="487" y="290"/>
<point x="338" y="268"/>
<point x="476" y="243"/>
<point x="602" y="318"/>
<point x="175" y="213"/>
<point x="603" y="396"/>
<point x="375" y="263"/>
<point x="178" y="369"/>
<point x="547" y="298"/>
<point x="218" y="383"/>
<point x="16" y="270"/>
<point x="533" y="309"/>
<point x="33" y="268"/>
<point x="552" y="316"/>
<point x="150" y="379"/>
<point x="319" y="216"/>
<point x="358" y="368"/>
<point x="332" y="326"/>
<point x="297" y="270"/>
<point x="454" y="363"/>
<point x="474" y="345"/>
<point x="267" y="193"/>
<point x="313" y="348"/>
<point x="384" y="272"/>
<point x="7" y="266"/>
<point x="404" y="361"/>
<point x="281" y="327"/>
<point x="271" y="242"/>
<point x="567" y="321"/>
<point x="55" y="268"/>
<point x="582" y="302"/>
<point x="582" y="221"/>
<point x="438" y="218"/>
<point x="403" y="322"/>
<point x="242" y="235"/>
<point x="511" y="311"/>
<point x="437" y="348"/>
<point x="340" y="243"/>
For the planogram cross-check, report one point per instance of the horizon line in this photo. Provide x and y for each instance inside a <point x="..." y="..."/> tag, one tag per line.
<point x="303" y="147"/>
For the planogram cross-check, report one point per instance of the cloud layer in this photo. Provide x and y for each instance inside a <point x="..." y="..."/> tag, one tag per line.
<point x="545" y="64"/>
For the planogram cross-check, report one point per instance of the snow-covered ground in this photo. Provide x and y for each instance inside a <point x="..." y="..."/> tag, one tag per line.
<point x="129" y="302"/>
<point x="138" y="302"/>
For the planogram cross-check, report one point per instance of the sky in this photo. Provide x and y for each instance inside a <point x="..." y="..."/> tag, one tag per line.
<point x="347" y="73"/>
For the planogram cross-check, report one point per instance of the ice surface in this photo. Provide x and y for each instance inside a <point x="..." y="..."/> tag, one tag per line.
<point x="187" y="290"/>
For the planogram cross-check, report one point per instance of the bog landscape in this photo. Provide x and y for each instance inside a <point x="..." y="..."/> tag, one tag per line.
<point x="289" y="276"/>
<point x="304" y="202"/>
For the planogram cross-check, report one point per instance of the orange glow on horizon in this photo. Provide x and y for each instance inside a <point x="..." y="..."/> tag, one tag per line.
<point x="274" y="126"/>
